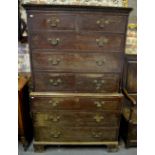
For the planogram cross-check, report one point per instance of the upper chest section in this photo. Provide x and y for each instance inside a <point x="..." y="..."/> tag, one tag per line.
<point x="67" y="18"/>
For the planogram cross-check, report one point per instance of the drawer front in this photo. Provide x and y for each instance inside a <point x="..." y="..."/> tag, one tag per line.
<point x="97" y="83"/>
<point x="85" y="134"/>
<point x="76" y="119"/>
<point x="100" y="42"/>
<point x="77" y="41"/>
<point x="83" y="21"/>
<point x="51" y="21"/>
<point x="48" y="81"/>
<point x="77" y="62"/>
<point x="102" y="22"/>
<point x="51" y="103"/>
<point x="53" y="40"/>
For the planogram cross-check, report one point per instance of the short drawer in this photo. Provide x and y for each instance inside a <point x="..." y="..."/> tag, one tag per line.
<point x="49" y="81"/>
<point x="77" y="118"/>
<point x="77" y="62"/>
<point x="48" y="103"/>
<point x="88" y="41"/>
<point x="98" y="82"/>
<point x="51" y="21"/>
<point x="102" y="22"/>
<point x="100" y="41"/>
<point x="84" y="134"/>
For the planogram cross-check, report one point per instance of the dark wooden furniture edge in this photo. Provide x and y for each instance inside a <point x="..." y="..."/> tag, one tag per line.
<point x="132" y="101"/>
<point x="131" y="57"/>
<point x="127" y="58"/>
<point x="74" y="7"/>
<point x="25" y="133"/>
<point x="130" y="98"/>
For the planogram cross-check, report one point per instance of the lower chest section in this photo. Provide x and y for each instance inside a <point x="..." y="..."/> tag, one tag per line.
<point x="76" y="117"/>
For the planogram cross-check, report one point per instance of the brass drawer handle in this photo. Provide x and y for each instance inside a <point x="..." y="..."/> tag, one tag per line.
<point x="96" y="135"/>
<point x="54" y="61"/>
<point x="98" y="83"/>
<point x="101" y="41"/>
<point x="98" y="118"/>
<point x="56" y="134"/>
<point x="102" y="22"/>
<point x="54" y="118"/>
<point x="54" y="103"/>
<point x="99" y="104"/>
<point x="53" y="22"/>
<point x="54" y="41"/>
<point x="100" y="62"/>
<point x="55" y="82"/>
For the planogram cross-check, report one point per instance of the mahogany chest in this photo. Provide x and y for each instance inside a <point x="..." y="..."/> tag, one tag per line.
<point x="77" y="56"/>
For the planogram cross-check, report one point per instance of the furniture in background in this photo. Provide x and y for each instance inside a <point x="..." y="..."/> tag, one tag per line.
<point x="22" y="27"/>
<point x="77" y="55"/>
<point x="24" y="119"/>
<point x="129" y="113"/>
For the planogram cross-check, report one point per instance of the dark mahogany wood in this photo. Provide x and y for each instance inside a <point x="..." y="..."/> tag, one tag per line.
<point x="75" y="134"/>
<point x="102" y="22"/>
<point x="77" y="21"/>
<point x="131" y="82"/>
<point x="44" y="104"/>
<point x="69" y="82"/>
<point x="77" y="54"/>
<point x="49" y="81"/>
<point x="77" y="62"/>
<point x="77" y="41"/>
<point x="76" y="119"/>
<point x="24" y="120"/>
<point x="130" y="73"/>
<point x="43" y="21"/>
<point x="129" y="116"/>
<point x="77" y="8"/>
<point x="106" y="83"/>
